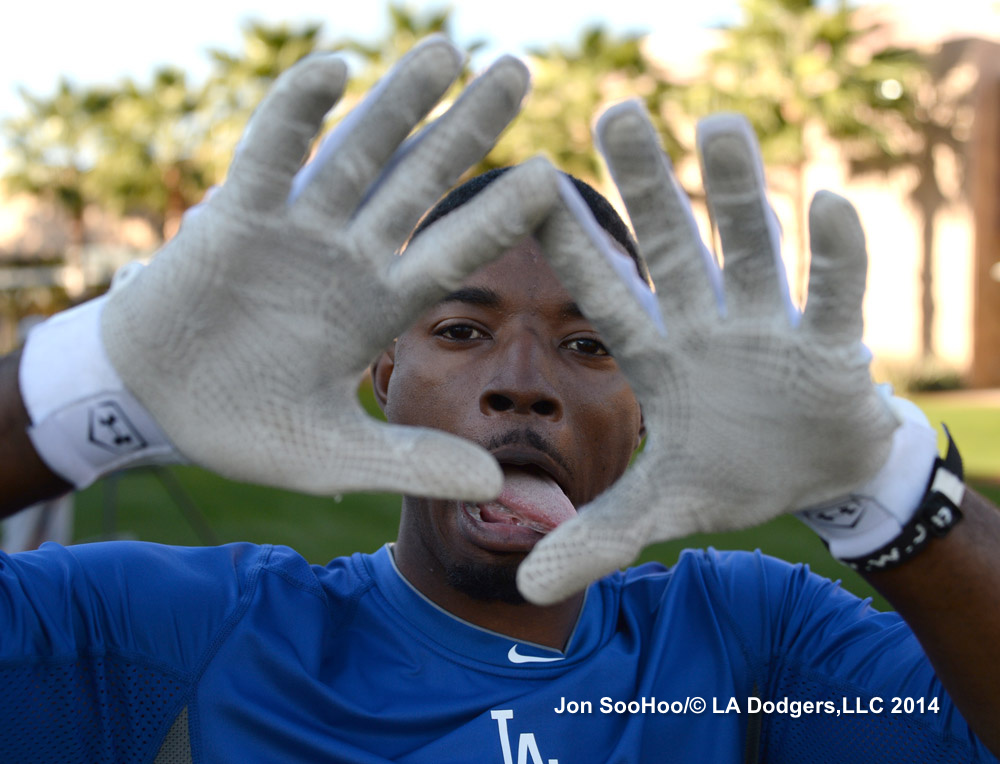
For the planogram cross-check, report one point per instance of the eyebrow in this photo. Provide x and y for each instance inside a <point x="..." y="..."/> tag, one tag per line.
<point x="487" y="298"/>
<point x="571" y="310"/>
<point x="474" y="296"/>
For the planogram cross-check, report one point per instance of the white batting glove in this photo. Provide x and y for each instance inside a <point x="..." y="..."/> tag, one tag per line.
<point x="246" y="337"/>
<point x="751" y="410"/>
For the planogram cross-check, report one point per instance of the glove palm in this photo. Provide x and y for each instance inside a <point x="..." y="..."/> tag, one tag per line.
<point x="247" y="335"/>
<point x="750" y="411"/>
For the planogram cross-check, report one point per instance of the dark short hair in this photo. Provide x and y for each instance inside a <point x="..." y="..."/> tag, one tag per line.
<point x="600" y="207"/>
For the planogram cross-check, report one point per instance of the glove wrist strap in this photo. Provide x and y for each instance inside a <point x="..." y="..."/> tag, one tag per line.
<point x="84" y="422"/>
<point x="936" y="515"/>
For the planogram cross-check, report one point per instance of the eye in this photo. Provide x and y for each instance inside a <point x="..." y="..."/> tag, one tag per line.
<point x="460" y="332"/>
<point x="587" y="346"/>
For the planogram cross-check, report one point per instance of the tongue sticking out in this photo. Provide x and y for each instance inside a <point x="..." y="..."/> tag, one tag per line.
<point x="528" y="498"/>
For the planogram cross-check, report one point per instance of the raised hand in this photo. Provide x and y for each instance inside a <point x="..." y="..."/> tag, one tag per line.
<point x="751" y="409"/>
<point x="246" y="336"/>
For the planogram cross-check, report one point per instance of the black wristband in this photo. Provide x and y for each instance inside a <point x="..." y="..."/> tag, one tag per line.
<point x="937" y="514"/>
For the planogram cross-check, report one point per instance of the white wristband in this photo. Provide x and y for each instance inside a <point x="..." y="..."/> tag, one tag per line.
<point x="876" y="513"/>
<point x="84" y="422"/>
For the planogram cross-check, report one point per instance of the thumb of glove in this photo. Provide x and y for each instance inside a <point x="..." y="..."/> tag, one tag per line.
<point x="413" y="460"/>
<point x="598" y="541"/>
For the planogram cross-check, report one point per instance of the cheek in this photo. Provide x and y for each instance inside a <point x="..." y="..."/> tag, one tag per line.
<point x="608" y="428"/>
<point x="426" y="395"/>
<point x="612" y="406"/>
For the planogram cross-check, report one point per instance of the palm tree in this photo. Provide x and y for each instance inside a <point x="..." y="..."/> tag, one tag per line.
<point x="53" y="148"/>
<point x="240" y="80"/>
<point x="407" y="27"/>
<point x="167" y="142"/>
<point x="791" y="65"/>
<point x="939" y="116"/>
<point x="153" y="150"/>
<point x="570" y="85"/>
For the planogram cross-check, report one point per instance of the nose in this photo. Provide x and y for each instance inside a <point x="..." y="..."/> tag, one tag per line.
<point x="522" y="382"/>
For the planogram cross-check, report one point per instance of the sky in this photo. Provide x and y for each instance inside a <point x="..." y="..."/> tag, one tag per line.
<point x="101" y="41"/>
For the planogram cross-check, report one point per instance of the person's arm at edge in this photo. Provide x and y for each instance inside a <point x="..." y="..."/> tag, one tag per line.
<point x="949" y="594"/>
<point x="24" y="477"/>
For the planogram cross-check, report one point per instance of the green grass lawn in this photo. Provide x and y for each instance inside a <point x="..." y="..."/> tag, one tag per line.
<point x="975" y="428"/>
<point x="140" y="505"/>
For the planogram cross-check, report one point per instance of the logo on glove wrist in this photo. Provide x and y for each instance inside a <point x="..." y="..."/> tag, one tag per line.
<point x="844" y="515"/>
<point x="110" y="429"/>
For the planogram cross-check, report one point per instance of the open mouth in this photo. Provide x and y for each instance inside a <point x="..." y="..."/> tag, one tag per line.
<point x="531" y="499"/>
<point x="494" y="512"/>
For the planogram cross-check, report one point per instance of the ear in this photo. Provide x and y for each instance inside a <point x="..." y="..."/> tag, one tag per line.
<point x="642" y="431"/>
<point x="381" y="371"/>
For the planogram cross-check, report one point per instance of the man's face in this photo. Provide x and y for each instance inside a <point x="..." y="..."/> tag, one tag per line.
<point x="508" y="362"/>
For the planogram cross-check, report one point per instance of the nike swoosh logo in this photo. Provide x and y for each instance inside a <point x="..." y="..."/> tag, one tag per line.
<point x="515" y="657"/>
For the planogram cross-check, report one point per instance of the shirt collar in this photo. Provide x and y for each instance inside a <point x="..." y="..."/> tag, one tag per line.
<point x="456" y="635"/>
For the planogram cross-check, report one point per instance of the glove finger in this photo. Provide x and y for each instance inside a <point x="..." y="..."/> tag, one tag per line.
<point x="435" y="262"/>
<point x="683" y="269"/>
<point x="607" y="535"/>
<point x="281" y="130"/>
<point x="333" y="184"/>
<point x="410" y="460"/>
<point x="837" y="270"/>
<point x="430" y="162"/>
<point x="753" y="273"/>
<point x="602" y="278"/>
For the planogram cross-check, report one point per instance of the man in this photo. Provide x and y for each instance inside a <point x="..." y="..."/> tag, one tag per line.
<point x="427" y="650"/>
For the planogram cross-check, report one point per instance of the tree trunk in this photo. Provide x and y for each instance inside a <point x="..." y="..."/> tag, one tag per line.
<point x="73" y="278"/>
<point x="928" y="216"/>
<point x="928" y="198"/>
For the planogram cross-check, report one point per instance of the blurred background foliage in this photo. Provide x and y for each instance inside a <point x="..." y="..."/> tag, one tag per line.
<point x="153" y="148"/>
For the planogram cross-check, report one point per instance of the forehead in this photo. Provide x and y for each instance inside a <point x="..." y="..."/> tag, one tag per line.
<point x="521" y="272"/>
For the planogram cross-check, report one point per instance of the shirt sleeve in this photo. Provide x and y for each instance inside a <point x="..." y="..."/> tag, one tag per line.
<point x="101" y="643"/>
<point x="839" y="680"/>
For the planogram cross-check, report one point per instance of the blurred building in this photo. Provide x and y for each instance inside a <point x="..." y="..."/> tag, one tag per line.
<point x="984" y="155"/>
